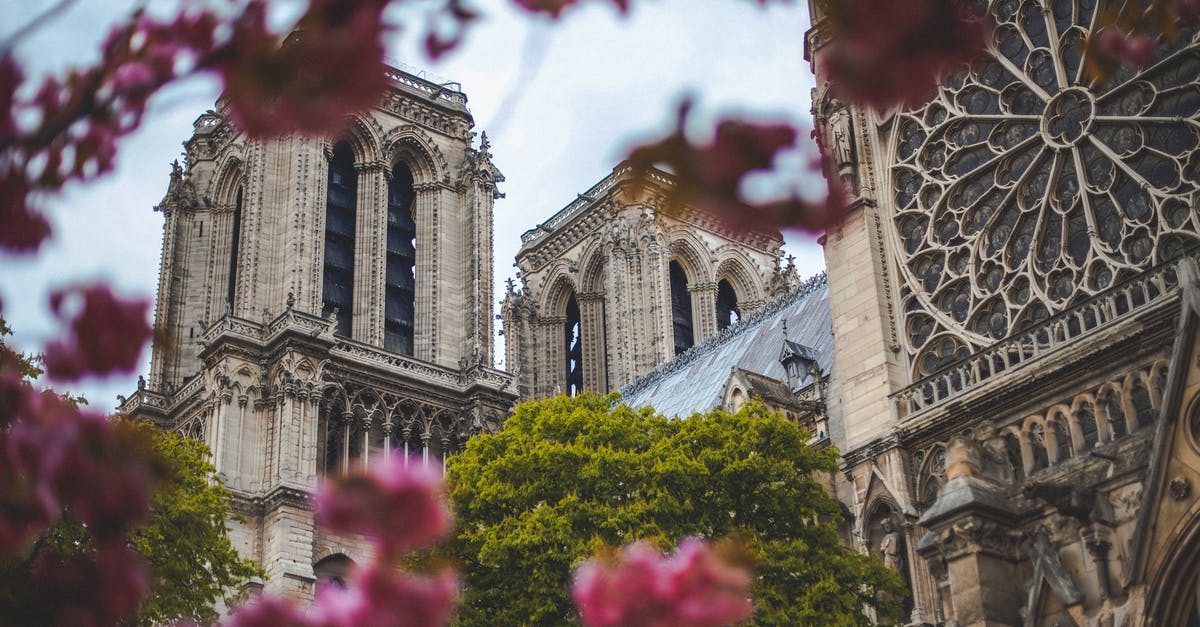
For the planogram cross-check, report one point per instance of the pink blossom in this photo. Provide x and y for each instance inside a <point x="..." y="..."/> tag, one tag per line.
<point x="101" y="587"/>
<point x="555" y="7"/>
<point x="11" y="78"/>
<point x="453" y="18"/>
<point x="1134" y="50"/>
<point x="709" y="177"/>
<point x="22" y="229"/>
<point x="644" y="588"/>
<point x="1187" y="10"/>
<point x="884" y="52"/>
<point x="269" y="612"/>
<point x="107" y="480"/>
<point x="331" y="67"/>
<point x="380" y="596"/>
<point x="106" y="336"/>
<point x="397" y="505"/>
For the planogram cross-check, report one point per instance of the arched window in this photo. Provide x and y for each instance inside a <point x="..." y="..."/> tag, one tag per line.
<point x="1142" y="406"/>
<point x="234" y="240"/>
<point x="574" y="345"/>
<point x="400" y="296"/>
<point x="727" y="305"/>
<point x="332" y="571"/>
<point x="681" y="309"/>
<point x="1037" y="445"/>
<point x="337" y="289"/>
<point x="1062" y="442"/>
<point x="1116" y="415"/>
<point x="1012" y="451"/>
<point x="1088" y="427"/>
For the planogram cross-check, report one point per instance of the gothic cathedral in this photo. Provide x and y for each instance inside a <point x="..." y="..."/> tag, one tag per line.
<point x="1014" y="296"/>
<point x="324" y="301"/>
<point x="616" y="283"/>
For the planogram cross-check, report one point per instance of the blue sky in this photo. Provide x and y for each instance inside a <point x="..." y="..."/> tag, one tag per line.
<point x="562" y="103"/>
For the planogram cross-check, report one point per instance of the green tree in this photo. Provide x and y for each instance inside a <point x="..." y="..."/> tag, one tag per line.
<point x="568" y="477"/>
<point x="192" y="559"/>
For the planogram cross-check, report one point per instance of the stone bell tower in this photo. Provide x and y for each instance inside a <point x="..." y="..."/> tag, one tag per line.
<point x="324" y="301"/>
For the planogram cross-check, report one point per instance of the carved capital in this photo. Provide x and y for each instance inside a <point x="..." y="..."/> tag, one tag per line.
<point x="970" y="536"/>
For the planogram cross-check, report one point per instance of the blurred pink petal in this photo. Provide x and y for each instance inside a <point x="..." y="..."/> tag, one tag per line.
<point x="643" y="588"/>
<point x="107" y="335"/>
<point x="399" y="506"/>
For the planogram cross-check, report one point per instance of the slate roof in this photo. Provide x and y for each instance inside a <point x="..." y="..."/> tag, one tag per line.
<point x="694" y="381"/>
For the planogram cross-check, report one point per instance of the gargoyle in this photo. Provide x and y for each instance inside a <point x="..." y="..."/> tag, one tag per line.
<point x="1068" y="500"/>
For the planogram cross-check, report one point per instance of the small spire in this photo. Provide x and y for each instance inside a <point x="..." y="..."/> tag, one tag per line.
<point x="785" y="337"/>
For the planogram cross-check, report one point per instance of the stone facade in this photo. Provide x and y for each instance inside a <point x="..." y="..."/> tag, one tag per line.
<point x="1014" y="387"/>
<point x="597" y="278"/>
<point x="298" y="341"/>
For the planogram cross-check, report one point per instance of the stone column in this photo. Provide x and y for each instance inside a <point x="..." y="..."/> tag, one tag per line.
<point x="704" y="310"/>
<point x="425" y="209"/>
<point x="972" y="530"/>
<point x="370" y="253"/>
<point x="619" y="339"/>
<point x="552" y="332"/>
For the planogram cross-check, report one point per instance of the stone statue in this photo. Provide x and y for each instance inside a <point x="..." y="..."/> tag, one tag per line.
<point x="890" y="545"/>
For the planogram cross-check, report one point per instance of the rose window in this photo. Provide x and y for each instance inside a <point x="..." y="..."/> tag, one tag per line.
<point x="1022" y="187"/>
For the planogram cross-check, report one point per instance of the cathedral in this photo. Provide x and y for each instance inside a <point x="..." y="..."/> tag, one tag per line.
<point x="323" y="301"/>
<point x="1004" y="347"/>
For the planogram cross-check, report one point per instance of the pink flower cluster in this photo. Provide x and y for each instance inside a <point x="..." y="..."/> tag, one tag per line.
<point x="67" y="128"/>
<point x="554" y="8"/>
<point x="105" y="337"/>
<point x="57" y="462"/>
<point x="710" y="177"/>
<point x="80" y="117"/>
<point x="646" y="589"/>
<point x="884" y="52"/>
<point x="399" y="508"/>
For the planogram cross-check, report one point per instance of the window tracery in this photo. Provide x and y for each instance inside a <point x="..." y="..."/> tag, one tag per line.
<point x="1022" y="187"/>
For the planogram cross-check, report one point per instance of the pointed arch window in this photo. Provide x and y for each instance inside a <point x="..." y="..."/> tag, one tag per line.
<point x="1088" y="427"/>
<point x="1143" y="408"/>
<point x="1116" y="415"/>
<point x="234" y="244"/>
<point x="681" y="308"/>
<point x="574" y="345"/>
<point x="1062" y="442"/>
<point x="727" y="305"/>
<point x="1012" y="451"/>
<point x="400" y="289"/>
<point x="1037" y="446"/>
<point x="337" y="290"/>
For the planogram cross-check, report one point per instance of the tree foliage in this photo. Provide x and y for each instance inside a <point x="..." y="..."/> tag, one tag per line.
<point x="192" y="560"/>
<point x="568" y="477"/>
